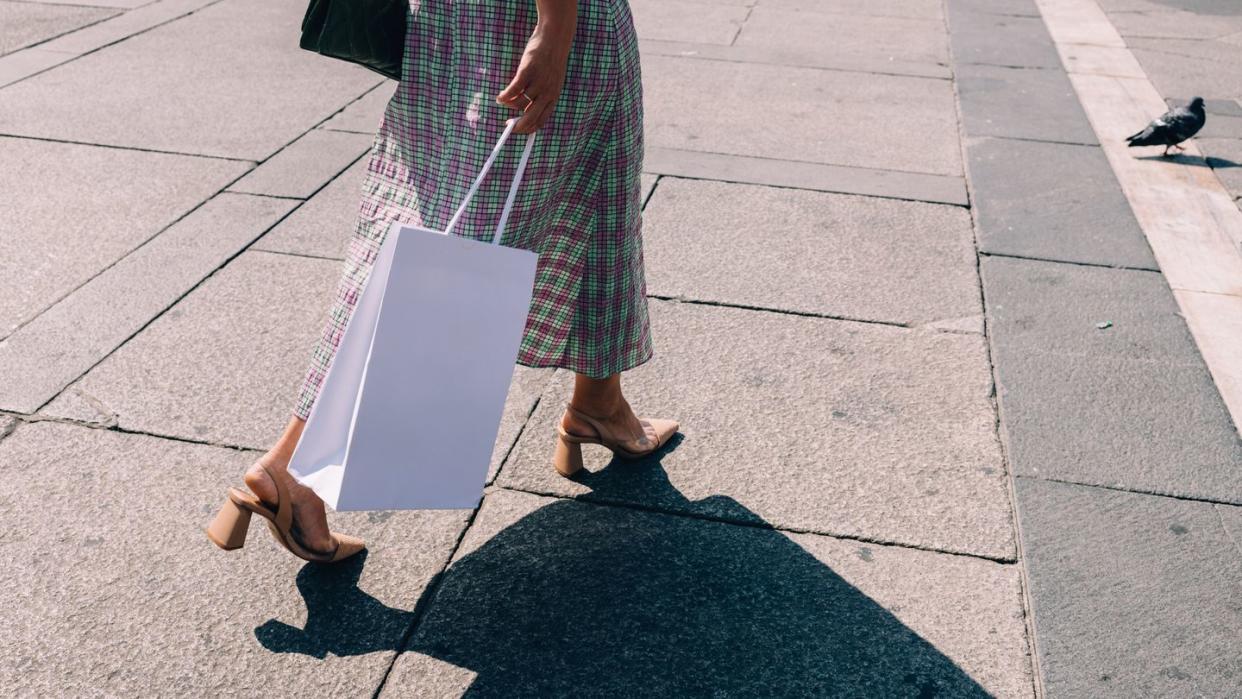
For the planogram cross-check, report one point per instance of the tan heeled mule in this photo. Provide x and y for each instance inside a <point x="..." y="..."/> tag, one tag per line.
<point x="228" y="529"/>
<point x="567" y="459"/>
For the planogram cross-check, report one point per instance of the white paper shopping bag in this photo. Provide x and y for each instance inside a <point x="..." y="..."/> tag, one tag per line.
<point x="409" y="409"/>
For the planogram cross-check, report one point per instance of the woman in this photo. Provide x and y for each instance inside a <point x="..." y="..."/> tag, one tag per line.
<point x="571" y="68"/>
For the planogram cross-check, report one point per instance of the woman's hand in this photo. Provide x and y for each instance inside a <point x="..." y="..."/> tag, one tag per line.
<point x="540" y="76"/>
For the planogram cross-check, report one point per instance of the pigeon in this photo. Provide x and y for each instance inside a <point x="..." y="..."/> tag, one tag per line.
<point x="1172" y="127"/>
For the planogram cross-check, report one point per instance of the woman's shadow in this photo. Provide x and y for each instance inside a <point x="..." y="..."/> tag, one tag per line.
<point x="575" y="598"/>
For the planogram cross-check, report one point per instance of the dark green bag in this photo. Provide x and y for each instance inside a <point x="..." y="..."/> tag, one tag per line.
<point x="370" y="33"/>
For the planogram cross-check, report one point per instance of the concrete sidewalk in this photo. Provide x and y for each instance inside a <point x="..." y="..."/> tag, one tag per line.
<point x="880" y="238"/>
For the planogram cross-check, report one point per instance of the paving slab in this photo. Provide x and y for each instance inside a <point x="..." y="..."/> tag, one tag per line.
<point x="866" y="40"/>
<point x="1053" y="201"/>
<point x="892" y="184"/>
<point x="182" y="377"/>
<point x="58" y="194"/>
<point x="1222" y="107"/>
<point x="27" y="62"/>
<point x="306" y="165"/>
<point x="228" y="80"/>
<point x="828" y="254"/>
<point x="778" y="55"/>
<point x="912" y="121"/>
<point x="1012" y="8"/>
<point x="984" y="36"/>
<point x="109" y="596"/>
<point x="688" y="20"/>
<point x="364" y="114"/>
<point x="1225" y="158"/>
<point x="814" y="425"/>
<point x="1213" y="52"/>
<point x="120" y="4"/>
<point x="1174" y="25"/>
<point x="1175" y="74"/>
<point x="1231" y="518"/>
<point x="526" y="389"/>
<point x="1133" y="595"/>
<point x="137" y="20"/>
<point x="1021" y="103"/>
<point x="69" y="338"/>
<point x="323" y="225"/>
<point x="1129" y="406"/>
<point x="926" y="9"/>
<point x="1222" y="127"/>
<point x="547" y="597"/>
<point x="25" y="23"/>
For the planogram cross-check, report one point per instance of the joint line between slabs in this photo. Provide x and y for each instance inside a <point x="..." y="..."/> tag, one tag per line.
<point x="821" y="190"/>
<point x="504" y="461"/>
<point x="139" y="149"/>
<point x="779" y="311"/>
<point x="764" y="526"/>
<point x="998" y="424"/>
<point x="425" y="601"/>
<point x="802" y="66"/>
<point x="1131" y="491"/>
<point x="1073" y="263"/>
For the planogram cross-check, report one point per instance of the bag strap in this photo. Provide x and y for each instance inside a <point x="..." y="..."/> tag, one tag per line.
<point x="487" y="166"/>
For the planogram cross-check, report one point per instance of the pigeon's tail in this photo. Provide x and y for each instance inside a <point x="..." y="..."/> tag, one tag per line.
<point x="1146" y="137"/>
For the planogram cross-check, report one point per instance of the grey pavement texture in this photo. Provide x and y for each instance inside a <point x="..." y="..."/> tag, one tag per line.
<point x="901" y="419"/>
<point x="719" y="242"/>
<point x="1104" y="400"/>
<point x="48" y="353"/>
<point x="837" y="516"/>
<point x="1025" y="103"/>
<point x="24" y="24"/>
<point x="192" y="98"/>
<point x="1052" y="201"/>
<point x="1131" y="405"/>
<point x="694" y="608"/>
<point x="1100" y="635"/>
<point x="139" y="606"/>
<point x="54" y="199"/>
<point x="913" y="124"/>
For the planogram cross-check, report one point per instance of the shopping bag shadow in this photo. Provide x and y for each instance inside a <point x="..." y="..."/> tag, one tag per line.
<point x="578" y="597"/>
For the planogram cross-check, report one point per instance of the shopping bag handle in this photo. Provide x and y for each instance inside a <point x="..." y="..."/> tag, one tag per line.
<point x="487" y="165"/>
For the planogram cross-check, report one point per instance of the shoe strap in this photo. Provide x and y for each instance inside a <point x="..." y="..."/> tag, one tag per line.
<point x="603" y="434"/>
<point x="284" y="508"/>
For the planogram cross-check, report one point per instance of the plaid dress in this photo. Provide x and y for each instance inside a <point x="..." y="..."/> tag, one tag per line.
<point x="579" y="202"/>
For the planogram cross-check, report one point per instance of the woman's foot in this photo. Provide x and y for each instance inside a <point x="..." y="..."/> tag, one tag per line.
<point x="599" y="414"/>
<point x="310" y="519"/>
<point x="618" y="418"/>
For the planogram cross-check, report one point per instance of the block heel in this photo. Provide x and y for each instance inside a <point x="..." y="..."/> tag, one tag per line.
<point x="228" y="529"/>
<point x="567" y="459"/>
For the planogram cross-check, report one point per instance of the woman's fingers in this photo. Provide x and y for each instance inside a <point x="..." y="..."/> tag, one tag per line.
<point x="513" y="91"/>
<point x="535" y="116"/>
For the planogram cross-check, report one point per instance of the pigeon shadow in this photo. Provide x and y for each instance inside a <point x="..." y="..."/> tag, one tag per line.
<point x="574" y="598"/>
<point x="1195" y="160"/>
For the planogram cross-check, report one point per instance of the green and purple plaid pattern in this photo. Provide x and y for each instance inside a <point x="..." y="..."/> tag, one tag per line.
<point x="579" y="205"/>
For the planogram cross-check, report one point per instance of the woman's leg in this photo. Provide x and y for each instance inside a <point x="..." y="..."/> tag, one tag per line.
<point x="601" y="399"/>
<point x="310" y="519"/>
